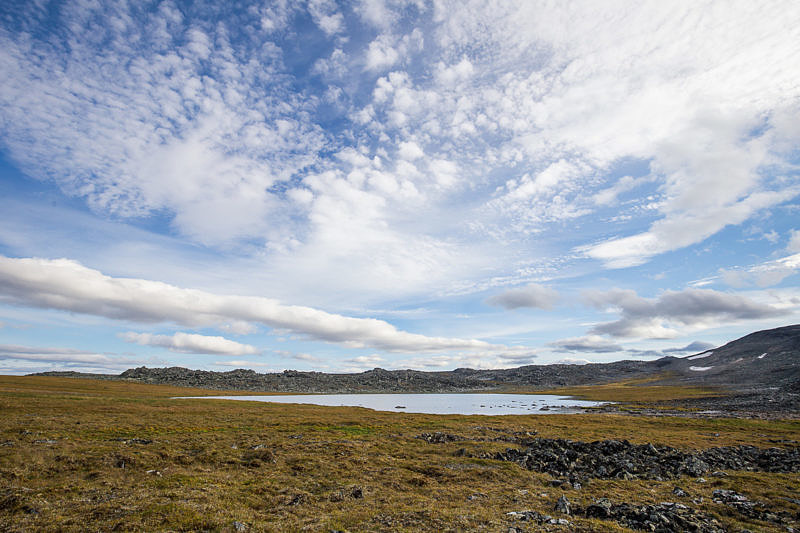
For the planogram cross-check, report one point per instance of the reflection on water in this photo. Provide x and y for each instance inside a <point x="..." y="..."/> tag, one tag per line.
<point x="442" y="404"/>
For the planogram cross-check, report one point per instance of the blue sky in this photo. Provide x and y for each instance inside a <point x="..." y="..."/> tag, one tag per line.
<point x="338" y="186"/>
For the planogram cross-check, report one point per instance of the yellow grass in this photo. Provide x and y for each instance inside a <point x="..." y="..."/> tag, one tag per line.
<point x="67" y="463"/>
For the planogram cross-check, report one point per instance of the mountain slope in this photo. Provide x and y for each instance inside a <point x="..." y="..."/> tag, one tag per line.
<point x="766" y="358"/>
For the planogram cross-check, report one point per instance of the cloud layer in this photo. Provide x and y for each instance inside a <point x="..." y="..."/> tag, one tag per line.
<point x="192" y="343"/>
<point x="37" y="358"/>
<point x="655" y="318"/>
<point x="68" y="285"/>
<point x="357" y="165"/>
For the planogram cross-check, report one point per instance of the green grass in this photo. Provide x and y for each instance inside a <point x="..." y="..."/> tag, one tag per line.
<point x="279" y="467"/>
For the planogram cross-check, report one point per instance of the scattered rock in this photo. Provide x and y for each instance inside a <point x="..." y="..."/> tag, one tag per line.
<point x="534" y="516"/>
<point x="439" y="437"/>
<point x="562" y="505"/>
<point x="240" y="526"/>
<point x="297" y="499"/>
<point x="135" y="440"/>
<point x="750" y="509"/>
<point x="612" y="459"/>
<point x="727" y="496"/>
<point x="666" y="517"/>
<point x="677" y="491"/>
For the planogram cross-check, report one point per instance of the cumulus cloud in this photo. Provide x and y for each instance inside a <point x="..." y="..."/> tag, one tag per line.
<point x="589" y="343"/>
<point x="533" y="295"/>
<point x="326" y="16"/>
<point x="182" y="342"/>
<point x="68" y="285"/>
<point x="658" y="317"/>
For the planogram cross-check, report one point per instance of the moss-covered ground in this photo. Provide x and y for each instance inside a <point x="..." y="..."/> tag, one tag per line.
<point x="88" y="455"/>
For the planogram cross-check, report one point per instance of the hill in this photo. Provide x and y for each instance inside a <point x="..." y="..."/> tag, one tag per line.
<point x="758" y="371"/>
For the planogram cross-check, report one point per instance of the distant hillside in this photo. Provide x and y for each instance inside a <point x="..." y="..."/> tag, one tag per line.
<point x="765" y="359"/>
<point x="768" y="358"/>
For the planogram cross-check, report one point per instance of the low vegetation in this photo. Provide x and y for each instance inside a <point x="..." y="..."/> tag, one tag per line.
<point x="89" y="455"/>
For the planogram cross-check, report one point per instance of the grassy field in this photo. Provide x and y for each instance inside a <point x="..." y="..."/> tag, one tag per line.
<point x="85" y="455"/>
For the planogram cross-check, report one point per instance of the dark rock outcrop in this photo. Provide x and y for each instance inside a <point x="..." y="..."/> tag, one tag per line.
<point x="613" y="459"/>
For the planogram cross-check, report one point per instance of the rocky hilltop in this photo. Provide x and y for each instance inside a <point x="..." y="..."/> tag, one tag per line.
<point x="380" y="380"/>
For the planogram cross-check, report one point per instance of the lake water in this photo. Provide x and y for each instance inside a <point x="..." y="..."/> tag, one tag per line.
<point x="440" y="404"/>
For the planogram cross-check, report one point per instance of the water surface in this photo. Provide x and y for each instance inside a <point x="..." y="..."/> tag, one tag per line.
<point x="440" y="404"/>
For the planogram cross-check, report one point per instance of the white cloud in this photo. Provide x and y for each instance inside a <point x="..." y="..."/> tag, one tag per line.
<point x="381" y="54"/>
<point x="410" y="151"/>
<point x="168" y="115"/>
<point x="682" y="229"/>
<point x="659" y="317"/>
<point x="265" y="367"/>
<point x="366" y="360"/>
<point x="298" y="356"/>
<point x="67" y="285"/>
<point x="451" y="75"/>
<point x="794" y="242"/>
<point x="463" y="145"/>
<point x="511" y="357"/>
<point x="531" y="296"/>
<point x="325" y="15"/>
<point x="762" y="275"/>
<point x="589" y="343"/>
<point x="191" y="343"/>
<point x="19" y="358"/>
<point x="610" y="195"/>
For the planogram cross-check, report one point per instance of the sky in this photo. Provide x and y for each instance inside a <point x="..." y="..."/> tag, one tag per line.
<point x="339" y="186"/>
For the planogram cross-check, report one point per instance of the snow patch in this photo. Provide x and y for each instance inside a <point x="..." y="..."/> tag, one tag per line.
<point x="701" y="355"/>
<point x="763" y="355"/>
<point x="700" y="368"/>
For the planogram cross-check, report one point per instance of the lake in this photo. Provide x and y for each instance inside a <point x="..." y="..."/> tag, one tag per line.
<point x="440" y="404"/>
